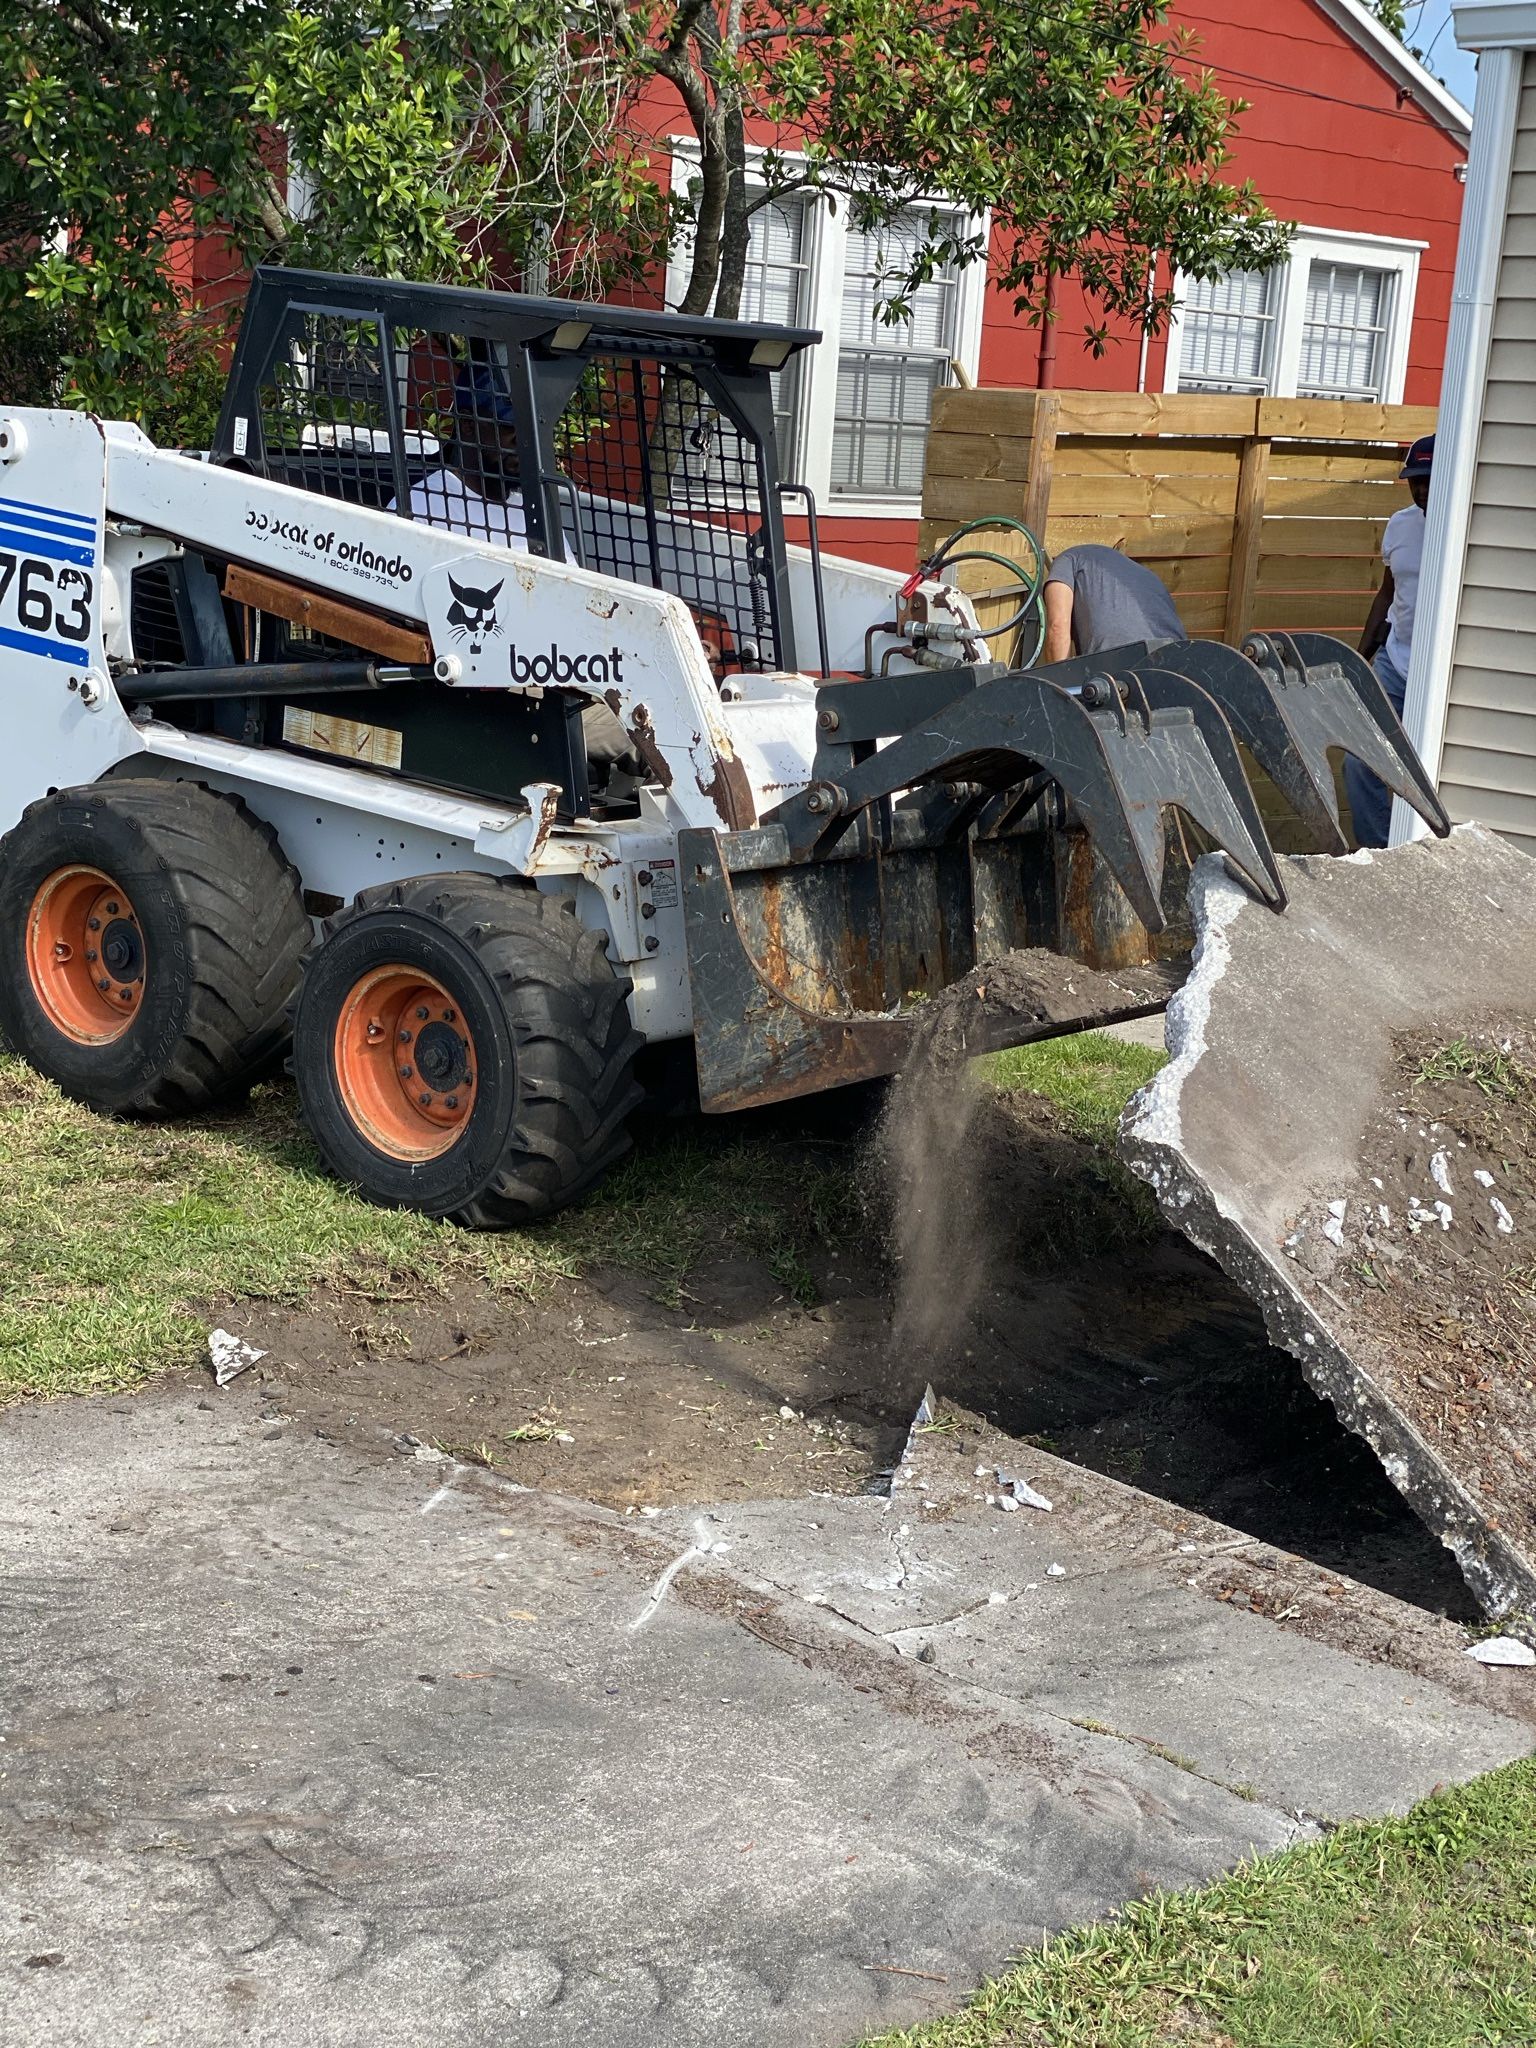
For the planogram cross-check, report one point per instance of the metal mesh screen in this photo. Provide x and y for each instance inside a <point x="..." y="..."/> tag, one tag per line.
<point x="648" y="478"/>
<point x="324" y="414"/>
<point x="660" y="487"/>
<point x="463" y="462"/>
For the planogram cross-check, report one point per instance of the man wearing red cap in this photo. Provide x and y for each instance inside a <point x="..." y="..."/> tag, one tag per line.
<point x="1387" y="641"/>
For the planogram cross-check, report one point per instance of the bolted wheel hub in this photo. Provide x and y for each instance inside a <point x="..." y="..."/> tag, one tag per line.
<point x="405" y="1065"/>
<point x="442" y="1056"/>
<point x="85" y="955"/>
<point x="122" y="951"/>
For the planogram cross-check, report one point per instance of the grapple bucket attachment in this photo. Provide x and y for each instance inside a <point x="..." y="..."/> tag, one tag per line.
<point x="949" y="822"/>
<point x="1119" y="750"/>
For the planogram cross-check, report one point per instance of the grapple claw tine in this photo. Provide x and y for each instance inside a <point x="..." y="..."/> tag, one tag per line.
<point x="1207" y="781"/>
<point x="1260" y="718"/>
<point x="1333" y="699"/>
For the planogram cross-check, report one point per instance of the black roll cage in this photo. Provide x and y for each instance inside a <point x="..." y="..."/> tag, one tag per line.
<point x="549" y="344"/>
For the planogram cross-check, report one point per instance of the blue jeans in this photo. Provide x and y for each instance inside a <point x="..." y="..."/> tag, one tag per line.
<point x="1370" y="801"/>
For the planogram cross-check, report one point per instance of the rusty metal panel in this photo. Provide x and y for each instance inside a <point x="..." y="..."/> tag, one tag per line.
<point x="790" y="967"/>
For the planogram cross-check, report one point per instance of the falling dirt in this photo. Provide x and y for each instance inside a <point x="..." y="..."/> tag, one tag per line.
<point x="1429" y="1259"/>
<point x="939" y="1135"/>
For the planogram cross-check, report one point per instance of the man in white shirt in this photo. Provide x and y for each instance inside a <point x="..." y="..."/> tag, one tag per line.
<point x="1387" y="641"/>
<point x="474" y="488"/>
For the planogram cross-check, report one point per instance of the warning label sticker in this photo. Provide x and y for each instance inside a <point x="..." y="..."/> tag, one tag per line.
<point x="375" y="745"/>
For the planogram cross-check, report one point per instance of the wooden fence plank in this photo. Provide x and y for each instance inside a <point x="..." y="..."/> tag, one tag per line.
<point x="1114" y="412"/>
<point x="1319" y="572"/>
<point x="956" y="410"/>
<point x="1149" y="540"/>
<point x="1037" y="502"/>
<point x="980" y="455"/>
<point x="1323" y="537"/>
<point x="1329" y="419"/>
<point x="958" y="498"/>
<point x="1197" y="573"/>
<point x="1202" y="613"/>
<point x="1323" y="500"/>
<point x="1144" y="456"/>
<point x="1247" y="529"/>
<point x="1309" y="464"/>
<point x="1317" y="611"/>
<point x="1143" y="497"/>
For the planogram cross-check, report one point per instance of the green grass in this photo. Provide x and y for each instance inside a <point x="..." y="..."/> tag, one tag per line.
<point x="1090" y="1078"/>
<point x="1098" y="1203"/>
<point x="1485" y="1068"/>
<point x="112" y="1233"/>
<point x="1413" y="1933"/>
<point x="116" y="1236"/>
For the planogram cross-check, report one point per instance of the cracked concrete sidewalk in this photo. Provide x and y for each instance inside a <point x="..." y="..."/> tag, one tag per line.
<point x="301" y="1744"/>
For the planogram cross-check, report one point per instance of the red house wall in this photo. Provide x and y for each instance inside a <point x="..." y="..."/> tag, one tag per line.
<point x="1328" y="143"/>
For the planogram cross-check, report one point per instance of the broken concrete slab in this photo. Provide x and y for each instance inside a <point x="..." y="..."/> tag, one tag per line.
<point x="1283" y="1044"/>
<point x="1120" y="1614"/>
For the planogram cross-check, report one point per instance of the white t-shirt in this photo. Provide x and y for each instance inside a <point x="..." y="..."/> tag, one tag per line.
<point x="1402" y="549"/>
<point x="442" y="498"/>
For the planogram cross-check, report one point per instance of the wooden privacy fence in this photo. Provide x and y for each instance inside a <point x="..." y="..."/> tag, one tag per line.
<point x="1256" y="512"/>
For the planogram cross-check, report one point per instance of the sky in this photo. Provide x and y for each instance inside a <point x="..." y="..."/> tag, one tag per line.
<point x="1429" y="29"/>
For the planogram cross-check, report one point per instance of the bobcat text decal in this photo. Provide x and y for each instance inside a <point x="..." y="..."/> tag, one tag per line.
<point x="322" y="545"/>
<point x="555" y="667"/>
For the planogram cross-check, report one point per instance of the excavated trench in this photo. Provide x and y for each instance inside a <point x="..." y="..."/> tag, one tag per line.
<point x="1054" y="1305"/>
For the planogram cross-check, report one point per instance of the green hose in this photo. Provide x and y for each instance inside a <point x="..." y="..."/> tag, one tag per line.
<point x="1031" y="582"/>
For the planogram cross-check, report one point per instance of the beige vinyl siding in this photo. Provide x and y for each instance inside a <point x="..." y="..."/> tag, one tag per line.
<point x="1488" y="767"/>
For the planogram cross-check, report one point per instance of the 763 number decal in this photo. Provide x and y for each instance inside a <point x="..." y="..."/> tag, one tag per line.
<point x="54" y="602"/>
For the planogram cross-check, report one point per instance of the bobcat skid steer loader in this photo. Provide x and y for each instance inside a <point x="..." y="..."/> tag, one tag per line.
<point x="466" y="719"/>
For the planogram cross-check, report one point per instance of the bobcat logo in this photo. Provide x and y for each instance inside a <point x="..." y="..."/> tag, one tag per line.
<point x="472" y="615"/>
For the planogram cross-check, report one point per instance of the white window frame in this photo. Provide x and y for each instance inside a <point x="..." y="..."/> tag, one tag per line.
<point x="816" y="399"/>
<point x="1327" y="245"/>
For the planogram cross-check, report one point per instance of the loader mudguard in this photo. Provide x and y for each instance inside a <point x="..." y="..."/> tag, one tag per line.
<point x="1120" y="750"/>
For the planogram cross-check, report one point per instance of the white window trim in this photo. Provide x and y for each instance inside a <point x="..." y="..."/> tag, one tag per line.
<point x="816" y="400"/>
<point x="1329" y="245"/>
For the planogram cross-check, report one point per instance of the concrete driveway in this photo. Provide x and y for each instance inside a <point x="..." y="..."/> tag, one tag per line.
<point x="305" y="1745"/>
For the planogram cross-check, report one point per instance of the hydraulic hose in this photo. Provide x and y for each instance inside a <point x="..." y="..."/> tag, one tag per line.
<point x="1031" y="580"/>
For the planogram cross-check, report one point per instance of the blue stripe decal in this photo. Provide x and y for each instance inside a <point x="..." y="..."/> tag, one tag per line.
<point x="34" y="643"/>
<point x="44" y="524"/>
<point x="52" y="550"/>
<point x="73" y="519"/>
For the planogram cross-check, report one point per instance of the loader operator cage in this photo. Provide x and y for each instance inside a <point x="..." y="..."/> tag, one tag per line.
<point x="637" y="444"/>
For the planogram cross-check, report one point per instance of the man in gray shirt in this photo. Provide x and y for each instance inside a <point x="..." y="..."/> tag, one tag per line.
<point x="1096" y="598"/>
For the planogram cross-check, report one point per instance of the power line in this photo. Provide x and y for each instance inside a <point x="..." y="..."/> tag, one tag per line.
<point x="1439" y="32"/>
<point x="1325" y="98"/>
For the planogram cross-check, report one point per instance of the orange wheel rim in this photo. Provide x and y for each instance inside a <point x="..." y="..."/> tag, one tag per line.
<point x="405" y="1063"/>
<point x="85" y="955"/>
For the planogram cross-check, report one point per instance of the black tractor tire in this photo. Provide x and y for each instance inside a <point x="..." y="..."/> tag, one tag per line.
<point x="208" y="923"/>
<point x="504" y="1011"/>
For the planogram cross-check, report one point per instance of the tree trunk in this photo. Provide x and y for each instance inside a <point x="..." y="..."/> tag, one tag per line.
<point x="736" y="231"/>
<point x="704" y="272"/>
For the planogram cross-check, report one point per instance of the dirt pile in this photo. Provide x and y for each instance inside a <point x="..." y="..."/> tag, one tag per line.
<point x="1429" y="1258"/>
